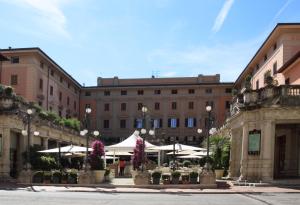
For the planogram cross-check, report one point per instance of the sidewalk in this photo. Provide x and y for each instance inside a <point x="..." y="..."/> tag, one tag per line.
<point x="101" y="189"/>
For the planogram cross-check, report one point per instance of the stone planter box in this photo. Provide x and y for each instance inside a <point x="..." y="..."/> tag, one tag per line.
<point x="140" y="178"/>
<point x="219" y="173"/>
<point x="98" y="176"/>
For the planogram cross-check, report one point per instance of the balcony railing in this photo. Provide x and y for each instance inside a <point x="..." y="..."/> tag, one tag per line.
<point x="269" y="96"/>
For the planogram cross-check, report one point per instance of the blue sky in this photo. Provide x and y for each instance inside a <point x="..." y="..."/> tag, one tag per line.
<point x="138" y="38"/>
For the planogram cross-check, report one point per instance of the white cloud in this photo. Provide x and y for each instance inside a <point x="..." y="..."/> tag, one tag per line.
<point x="48" y="15"/>
<point x="168" y="74"/>
<point x="222" y="15"/>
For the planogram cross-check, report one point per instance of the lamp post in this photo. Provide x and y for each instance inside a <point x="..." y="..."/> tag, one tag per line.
<point x="27" y="120"/>
<point x="208" y="110"/>
<point x="143" y="132"/>
<point x="85" y="132"/>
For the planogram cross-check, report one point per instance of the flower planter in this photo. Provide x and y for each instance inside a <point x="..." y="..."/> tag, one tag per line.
<point x="175" y="180"/>
<point x="98" y="176"/>
<point x="166" y="179"/>
<point x="185" y="179"/>
<point x="6" y="103"/>
<point x="156" y="180"/>
<point x="193" y="180"/>
<point x="140" y="178"/>
<point x="219" y="173"/>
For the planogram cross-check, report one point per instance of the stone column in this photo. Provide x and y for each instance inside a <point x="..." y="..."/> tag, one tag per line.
<point x="45" y="142"/>
<point x="267" y="150"/>
<point x="5" y="162"/>
<point x="244" y="154"/>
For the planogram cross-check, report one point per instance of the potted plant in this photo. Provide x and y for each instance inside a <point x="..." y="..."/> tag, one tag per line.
<point x="72" y="177"/>
<point x="186" y="163"/>
<point x="38" y="177"/>
<point x="47" y="177"/>
<point x="96" y="162"/>
<point x="194" y="177"/>
<point x="56" y="177"/>
<point x="64" y="178"/>
<point x="185" y="178"/>
<point x="175" y="177"/>
<point x="140" y="176"/>
<point x="166" y="178"/>
<point x="156" y="177"/>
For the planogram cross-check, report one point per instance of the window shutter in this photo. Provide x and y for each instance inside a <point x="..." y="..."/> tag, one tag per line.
<point x="177" y="122"/>
<point x="169" y="122"/>
<point x="195" y="122"/>
<point x="186" y="122"/>
<point x="160" y="123"/>
<point x="152" y="123"/>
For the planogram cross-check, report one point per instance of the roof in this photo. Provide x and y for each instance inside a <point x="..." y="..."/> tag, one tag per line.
<point x="289" y="62"/>
<point x="37" y="49"/>
<point x="279" y="25"/>
<point x="3" y="58"/>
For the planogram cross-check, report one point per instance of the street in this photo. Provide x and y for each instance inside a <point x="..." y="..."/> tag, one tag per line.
<point x="15" y="197"/>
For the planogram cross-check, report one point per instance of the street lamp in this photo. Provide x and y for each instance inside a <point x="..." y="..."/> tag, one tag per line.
<point x="85" y="132"/>
<point x="27" y="120"/>
<point x="208" y="110"/>
<point x="143" y="132"/>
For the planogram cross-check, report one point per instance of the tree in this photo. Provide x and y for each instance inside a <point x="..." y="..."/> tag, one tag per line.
<point x="95" y="159"/>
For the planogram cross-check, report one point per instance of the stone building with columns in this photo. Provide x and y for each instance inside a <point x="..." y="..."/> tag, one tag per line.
<point x="13" y="144"/>
<point x="264" y="125"/>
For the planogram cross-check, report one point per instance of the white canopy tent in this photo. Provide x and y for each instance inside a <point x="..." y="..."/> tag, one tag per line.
<point x="190" y="157"/>
<point x="129" y="144"/>
<point x="111" y="153"/>
<point x="178" y="147"/>
<point x="69" y="148"/>
<point x="184" y="152"/>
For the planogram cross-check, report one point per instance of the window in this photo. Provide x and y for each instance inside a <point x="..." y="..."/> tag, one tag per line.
<point x="123" y="92"/>
<point x="287" y="81"/>
<point x="41" y="64"/>
<point x="257" y="67"/>
<point x="265" y="58"/>
<point x="156" y="123"/>
<point x="60" y="96"/>
<point x="174" y="105"/>
<point x="156" y="106"/>
<point x="52" y="72"/>
<point x="228" y="90"/>
<point x="61" y="79"/>
<point x="106" y="107"/>
<point x="257" y="84"/>
<point x="15" y="59"/>
<point x="173" y="122"/>
<point x="138" y="123"/>
<point x="140" y="92"/>
<point x="105" y="124"/>
<point x="41" y="84"/>
<point x="174" y="92"/>
<point x="106" y="92"/>
<point x="123" y="124"/>
<point x="140" y="105"/>
<point x="191" y="105"/>
<point x="69" y="85"/>
<point x="275" y="46"/>
<point x="74" y="105"/>
<point x="208" y="90"/>
<point x="157" y="92"/>
<point x="274" y="68"/>
<point x="123" y="106"/>
<point x="227" y="104"/>
<point x="87" y="93"/>
<point x="68" y="101"/>
<point x="14" y="80"/>
<point x="190" y="122"/>
<point x="191" y="91"/>
<point x="51" y="90"/>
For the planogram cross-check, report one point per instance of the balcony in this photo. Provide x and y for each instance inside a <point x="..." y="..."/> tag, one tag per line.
<point x="269" y="96"/>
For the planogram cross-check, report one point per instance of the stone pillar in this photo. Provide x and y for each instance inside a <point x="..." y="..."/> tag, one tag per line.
<point x="267" y="150"/>
<point x="45" y="142"/>
<point x="233" y="153"/>
<point x="244" y="154"/>
<point x="5" y="158"/>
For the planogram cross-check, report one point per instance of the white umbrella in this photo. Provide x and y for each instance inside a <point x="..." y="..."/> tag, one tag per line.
<point x="201" y="153"/>
<point x="118" y="153"/>
<point x="184" y="152"/>
<point x="110" y="157"/>
<point x="177" y="147"/>
<point x="70" y="148"/>
<point x="190" y="157"/>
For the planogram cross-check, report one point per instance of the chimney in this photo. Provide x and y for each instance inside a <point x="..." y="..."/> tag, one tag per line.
<point x="99" y="81"/>
<point x="116" y="80"/>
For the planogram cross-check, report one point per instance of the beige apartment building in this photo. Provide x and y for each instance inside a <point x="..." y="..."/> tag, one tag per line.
<point x="264" y="125"/>
<point x="38" y="78"/>
<point x="176" y="106"/>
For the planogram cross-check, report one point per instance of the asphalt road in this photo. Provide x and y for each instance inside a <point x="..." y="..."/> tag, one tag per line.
<point x="82" y="198"/>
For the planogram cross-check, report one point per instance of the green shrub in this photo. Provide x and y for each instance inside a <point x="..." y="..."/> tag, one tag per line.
<point x="72" y="177"/>
<point x="43" y="115"/>
<point x="56" y="177"/>
<point x="156" y="174"/>
<point x="186" y="163"/>
<point x="51" y="116"/>
<point x="194" y="174"/>
<point x="48" y="163"/>
<point x="176" y="174"/>
<point x="8" y="91"/>
<point x="38" y="177"/>
<point x="1" y="89"/>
